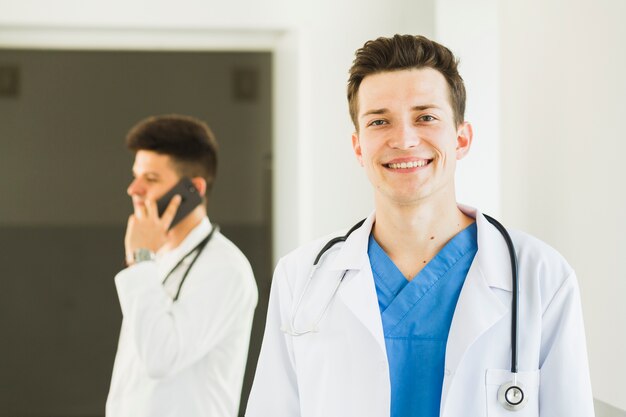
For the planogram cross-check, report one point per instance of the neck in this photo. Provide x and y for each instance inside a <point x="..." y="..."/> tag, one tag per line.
<point x="179" y="232"/>
<point x="413" y="234"/>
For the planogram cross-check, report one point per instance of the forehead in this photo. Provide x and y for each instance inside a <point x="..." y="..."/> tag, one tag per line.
<point x="411" y="87"/>
<point x="152" y="162"/>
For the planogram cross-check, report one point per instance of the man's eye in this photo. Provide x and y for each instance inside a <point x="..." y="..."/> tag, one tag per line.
<point x="426" y="118"/>
<point x="378" y="122"/>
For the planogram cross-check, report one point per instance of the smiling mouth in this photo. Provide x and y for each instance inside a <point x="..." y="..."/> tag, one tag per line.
<point x="409" y="165"/>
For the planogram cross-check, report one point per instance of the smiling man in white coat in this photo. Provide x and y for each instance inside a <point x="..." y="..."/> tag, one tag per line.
<point x="410" y="312"/>
<point x="188" y="294"/>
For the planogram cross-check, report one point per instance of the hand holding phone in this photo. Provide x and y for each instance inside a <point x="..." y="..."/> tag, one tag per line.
<point x="148" y="228"/>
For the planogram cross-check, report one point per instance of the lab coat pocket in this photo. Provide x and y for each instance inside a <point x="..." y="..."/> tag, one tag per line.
<point x="530" y="382"/>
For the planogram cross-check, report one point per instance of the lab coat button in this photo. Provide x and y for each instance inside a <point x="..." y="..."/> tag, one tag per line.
<point x="447" y="372"/>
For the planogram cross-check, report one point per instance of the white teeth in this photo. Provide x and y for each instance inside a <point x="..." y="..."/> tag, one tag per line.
<point x="407" y="165"/>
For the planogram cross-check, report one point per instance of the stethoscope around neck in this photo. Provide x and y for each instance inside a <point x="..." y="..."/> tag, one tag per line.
<point x="198" y="250"/>
<point x="511" y="395"/>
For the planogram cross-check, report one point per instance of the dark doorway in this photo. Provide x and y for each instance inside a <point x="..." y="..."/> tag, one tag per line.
<point x="63" y="175"/>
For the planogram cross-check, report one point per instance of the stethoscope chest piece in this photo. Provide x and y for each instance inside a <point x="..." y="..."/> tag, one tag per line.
<point x="511" y="396"/>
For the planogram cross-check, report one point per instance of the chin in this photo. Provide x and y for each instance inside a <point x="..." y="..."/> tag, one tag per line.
<point x="411" y="195"/>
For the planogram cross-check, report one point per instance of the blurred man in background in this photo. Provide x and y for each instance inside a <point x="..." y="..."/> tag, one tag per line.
<point x="188" y="294"/>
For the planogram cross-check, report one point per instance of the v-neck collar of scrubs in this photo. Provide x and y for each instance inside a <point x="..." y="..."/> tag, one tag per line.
<point x="396" y="295"/>
<point x="416" y="318"/>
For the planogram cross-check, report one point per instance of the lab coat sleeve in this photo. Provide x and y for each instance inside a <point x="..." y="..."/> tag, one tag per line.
<point x="171" y="336"/>
<point x="565" y="387"/>
<point x="275" y="391"/>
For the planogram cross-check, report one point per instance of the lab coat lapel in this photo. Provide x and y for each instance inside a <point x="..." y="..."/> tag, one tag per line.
<point x="478" y="308"/>
<point x="359" y="295"/>
<point x="358" y="291"/>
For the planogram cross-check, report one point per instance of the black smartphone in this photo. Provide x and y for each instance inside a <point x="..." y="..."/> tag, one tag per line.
<point x="190" y="200"/>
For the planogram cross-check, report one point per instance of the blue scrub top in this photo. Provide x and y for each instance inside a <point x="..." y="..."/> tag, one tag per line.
<point x="416" y="318"/>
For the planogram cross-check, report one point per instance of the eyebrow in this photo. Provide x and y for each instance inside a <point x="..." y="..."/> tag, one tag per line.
<point x="386" y="110"/>
<point x="145" y="174"/>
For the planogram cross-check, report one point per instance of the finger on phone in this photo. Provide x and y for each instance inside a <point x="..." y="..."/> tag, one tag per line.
<point x="170" y="211"/>
<point x="151" y="209"/>
<point x="140" y="210"/>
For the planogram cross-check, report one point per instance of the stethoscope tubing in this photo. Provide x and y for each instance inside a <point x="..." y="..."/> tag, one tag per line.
<point x="333" y="242"/>
<point x="515" y="290"/>
<point x="199" y="247"/>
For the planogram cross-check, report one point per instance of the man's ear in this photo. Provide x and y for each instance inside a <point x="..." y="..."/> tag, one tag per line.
<point x="464" y="136"/>
<point x="356" y="145"/>
<point x="200" y="184"/>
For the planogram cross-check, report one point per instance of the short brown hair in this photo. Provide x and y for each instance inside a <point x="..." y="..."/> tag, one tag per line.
<point x="188" y="141"/>
<point x="406" y="52"/>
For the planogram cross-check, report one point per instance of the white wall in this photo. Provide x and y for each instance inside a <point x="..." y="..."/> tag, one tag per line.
<point x="470" y="30"/>
<point x="563" y="89"/>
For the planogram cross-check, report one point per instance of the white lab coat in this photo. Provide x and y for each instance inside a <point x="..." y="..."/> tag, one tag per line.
<point x="185" y="358"/>
<point x="342" y="370"/>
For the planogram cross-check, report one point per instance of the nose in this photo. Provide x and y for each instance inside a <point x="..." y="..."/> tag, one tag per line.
<point x="135" y="188"/>
<point x="406" y="136"/>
